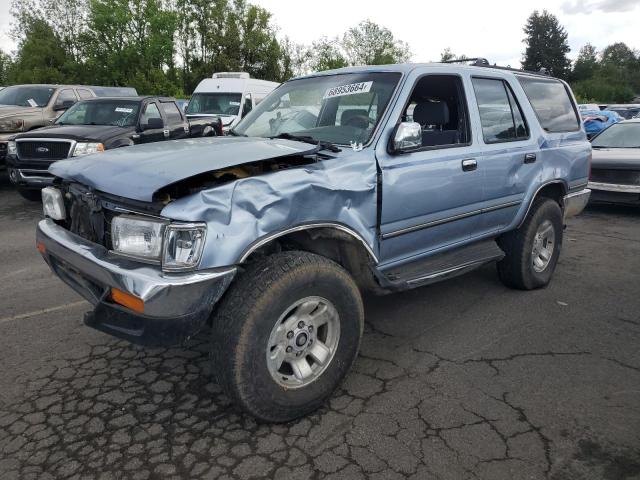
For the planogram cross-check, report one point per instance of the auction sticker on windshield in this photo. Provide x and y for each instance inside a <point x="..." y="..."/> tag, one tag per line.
<point x="351" y="89"/>
<point x="124" y="110"/>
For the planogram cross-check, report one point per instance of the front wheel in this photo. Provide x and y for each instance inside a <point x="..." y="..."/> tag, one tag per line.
<point x="532" y="251"/>
<point x="286" y="334"/>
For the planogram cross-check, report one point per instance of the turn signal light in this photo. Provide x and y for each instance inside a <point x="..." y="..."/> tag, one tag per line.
<point x="127" y="300"/>
<point x="41" y="248"/>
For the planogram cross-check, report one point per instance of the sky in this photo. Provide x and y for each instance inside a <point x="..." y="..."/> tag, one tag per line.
<point x="490" y="28"/>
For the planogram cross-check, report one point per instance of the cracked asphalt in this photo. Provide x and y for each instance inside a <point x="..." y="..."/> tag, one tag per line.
<point x="460" y="380"/>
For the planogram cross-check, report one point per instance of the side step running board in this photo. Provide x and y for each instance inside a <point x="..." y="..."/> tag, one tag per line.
<point x="444" y="265"/>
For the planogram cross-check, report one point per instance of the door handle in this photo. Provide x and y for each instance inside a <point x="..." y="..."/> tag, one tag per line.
<point x="167" y="133"/>
<point x="530" y="158"/>
<point x="469" y="164"/>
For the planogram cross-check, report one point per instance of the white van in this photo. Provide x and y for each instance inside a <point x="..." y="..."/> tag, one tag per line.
<point x="228" y="95"/>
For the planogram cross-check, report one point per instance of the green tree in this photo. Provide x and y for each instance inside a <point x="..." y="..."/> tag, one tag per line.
<point x="547" y="45"/>
<point x="130" y="42"/>
<point x="586" y="64"/>
<point x="448" y="55"/>
<point x="370" y="44"/>
<point x="41" y="57"/>
<point x="326" y="54"/>
<point x="5" y="65"/>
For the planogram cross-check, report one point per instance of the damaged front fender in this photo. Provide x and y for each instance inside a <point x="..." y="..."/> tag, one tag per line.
<point x="243" y="214"/>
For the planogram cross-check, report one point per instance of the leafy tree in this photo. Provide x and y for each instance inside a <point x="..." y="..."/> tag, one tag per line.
<point x="371" y="44"/>
<point x="620" y="55"/>
<point x="326" y="54"/>
<point x="586" y="65"/>
<point x="130" y="42"/>
<point x="40" y="58"/>
<point x="448" y="55"/>
<point x="547" y="45"/>
<point x="5" y="65"/>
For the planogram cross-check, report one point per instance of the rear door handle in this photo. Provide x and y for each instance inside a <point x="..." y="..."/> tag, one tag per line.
<point x="530" y="158"/>
<point x="469" y="164"/>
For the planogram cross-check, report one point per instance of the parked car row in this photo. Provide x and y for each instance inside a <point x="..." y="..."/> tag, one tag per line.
<point x="96" y="125"/>
<point x="27" y="107"/>
<point x="615" y="168"/>
<point x="42" y="124"/>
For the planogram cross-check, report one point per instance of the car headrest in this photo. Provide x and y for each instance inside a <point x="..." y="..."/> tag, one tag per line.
<point x="431" y="113"/>
<point x="355" y="117"/>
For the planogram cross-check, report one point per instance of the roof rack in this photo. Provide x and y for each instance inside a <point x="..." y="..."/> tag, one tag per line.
<point x="483" y="62"/>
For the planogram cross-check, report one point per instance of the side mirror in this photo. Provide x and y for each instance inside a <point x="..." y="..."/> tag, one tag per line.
<point x="64" y="105"/>
<point x="154" y="123"/>
<point x="407" y="136"/>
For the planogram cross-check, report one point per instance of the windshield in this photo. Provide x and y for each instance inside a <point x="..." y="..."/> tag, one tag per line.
<point x="214" y="104"/>
<point x="620" y="135"/>
<point x="119" y="113"/>
<point x="339" y="109"/>
<point x="26" y="96"/>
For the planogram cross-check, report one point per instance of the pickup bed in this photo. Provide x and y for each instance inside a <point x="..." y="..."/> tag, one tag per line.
<point x="96" y="125"/>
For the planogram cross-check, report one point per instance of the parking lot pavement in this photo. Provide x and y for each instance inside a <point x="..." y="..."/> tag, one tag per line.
<point x="464" y="379"/>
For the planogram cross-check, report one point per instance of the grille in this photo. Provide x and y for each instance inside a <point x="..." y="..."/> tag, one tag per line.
<point x="43" y="150"/>
<point x="620" y="177"/>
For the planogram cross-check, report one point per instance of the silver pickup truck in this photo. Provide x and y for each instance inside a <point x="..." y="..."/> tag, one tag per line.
<point x="377" y="178"/>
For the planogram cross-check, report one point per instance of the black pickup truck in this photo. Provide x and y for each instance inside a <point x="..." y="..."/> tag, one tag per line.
<point x="95" y="125"/>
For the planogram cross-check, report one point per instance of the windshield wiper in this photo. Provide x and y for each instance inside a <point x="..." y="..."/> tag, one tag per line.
<point x="309" y="139"/>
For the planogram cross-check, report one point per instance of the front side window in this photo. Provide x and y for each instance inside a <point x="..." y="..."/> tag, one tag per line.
<point x="65" y="95"/>
<point x="552" y="104"/>
<point x="500" y="115"/>
<point x="150" y="111"/>
<point x="214" y="104"/>
<point x="26" y="96"/>
<point x="103" y="112"/>
<point x="619" y="135"/>
<point x="437" y="103"/>
<point x="339" y="109"/>
<point x="246" y="107"/>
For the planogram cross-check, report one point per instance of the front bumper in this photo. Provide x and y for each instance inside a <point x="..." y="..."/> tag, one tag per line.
<point x="615" y="193"/>
<point x="575" y="202"/>
<point x="29" y="178"/>
<point x="176" y="306"/>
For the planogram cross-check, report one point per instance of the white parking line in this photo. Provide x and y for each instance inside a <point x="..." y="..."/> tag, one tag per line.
<point x="35" y="313"/>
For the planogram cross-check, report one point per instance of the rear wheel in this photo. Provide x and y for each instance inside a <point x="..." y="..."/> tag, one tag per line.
<point x="532" y="251"/>
<point x="31" y="194"/>
<point x="286" y="334"/>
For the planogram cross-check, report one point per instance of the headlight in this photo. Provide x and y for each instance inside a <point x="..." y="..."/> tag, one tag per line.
<point x="11" y="147"/>
<point x="137" y="236"/>
<point x="11" y="125"/>
<point x="53" y="203"/>
<point x="84" y="148"/>
<point x="183" y="245"/>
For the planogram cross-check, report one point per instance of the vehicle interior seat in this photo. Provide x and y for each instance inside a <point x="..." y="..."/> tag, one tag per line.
<point x="355" y="117"/>
<point x="433" y="117"/>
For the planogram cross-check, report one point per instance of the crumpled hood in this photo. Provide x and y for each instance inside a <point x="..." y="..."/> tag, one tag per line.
<point x="138" y="172"/>
<point x="7" y="111"/>
<point x="616" y="158"/>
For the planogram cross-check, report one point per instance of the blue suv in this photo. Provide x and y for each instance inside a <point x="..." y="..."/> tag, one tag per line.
<point x="377" y="178"/>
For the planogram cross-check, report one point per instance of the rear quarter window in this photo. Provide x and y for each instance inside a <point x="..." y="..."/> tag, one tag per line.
<point x="552" y="103"/>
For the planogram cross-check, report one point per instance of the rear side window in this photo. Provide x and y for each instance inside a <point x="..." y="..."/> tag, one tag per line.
<point x="552" y="104"/>
<point x="171" y="112"/>
<point x="500" y="115"/>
